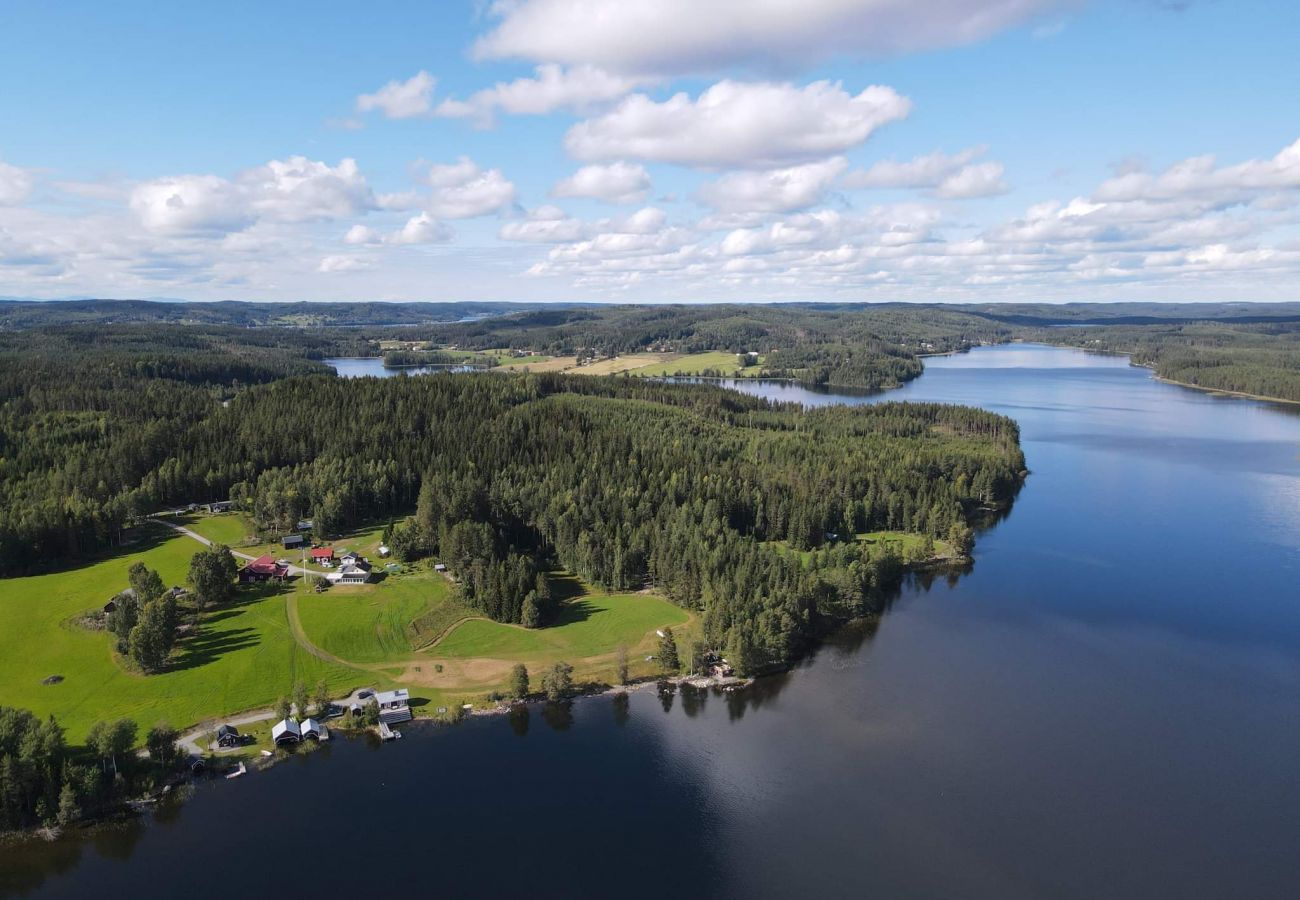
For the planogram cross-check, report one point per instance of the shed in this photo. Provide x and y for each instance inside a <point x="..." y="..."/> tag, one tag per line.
<point x="285" y="732"/>
<point x="310" y="728"/>
<point x="292" y="541"/>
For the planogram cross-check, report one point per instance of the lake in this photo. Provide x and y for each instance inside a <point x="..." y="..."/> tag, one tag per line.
<point x="1106" y="706"/>
<point x="361" y="366"/>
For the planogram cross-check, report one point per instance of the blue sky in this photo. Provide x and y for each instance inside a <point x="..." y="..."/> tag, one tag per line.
<point x="732" y="149"/>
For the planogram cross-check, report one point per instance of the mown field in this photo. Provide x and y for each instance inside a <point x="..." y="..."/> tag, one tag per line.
<point x="589" y="625"/>
<point x="651" y="364"/>
<point x="698" y="364"/>
<point x="243" y="656"/>
<point x="377" y="623"/>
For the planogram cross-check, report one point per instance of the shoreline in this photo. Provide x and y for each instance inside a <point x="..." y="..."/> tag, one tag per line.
<point x="1245" y="395"/>
<point x="1263" y="398"/>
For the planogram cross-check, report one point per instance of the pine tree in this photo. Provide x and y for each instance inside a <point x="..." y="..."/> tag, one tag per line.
<point x="69" y="810"/>
<point x="668" y="659"/>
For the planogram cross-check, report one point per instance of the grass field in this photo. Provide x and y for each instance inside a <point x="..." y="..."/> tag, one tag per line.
<point x="243" y="657"/>
<point x="589" y="625"/>
<point x="372" y="623"/>
<point x="247" y="654"/>
<point x="506" y="361"/>
<point x="632" y="362"/>
<point x="231" y="529"/>
<point x="698" y="364"/>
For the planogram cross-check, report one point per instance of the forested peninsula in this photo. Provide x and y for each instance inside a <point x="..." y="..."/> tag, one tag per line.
<point x="692" y="489"/>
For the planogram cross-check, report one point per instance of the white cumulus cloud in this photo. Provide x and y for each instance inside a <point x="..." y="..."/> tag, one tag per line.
<point x="461" y="190"/>
<point x="739" y="125"/>
<point x="342" y="263"/>
<point x="675" y="37"/>
<point x="192" y="203"/>
<point x="292" y="190"/>
<point x="554" y="87"/>
<point x="774" y="190"/>
<point x="618" y="182"/>
<point x="409" y="99"/>
<point x="421" y="229"/>
<point x="545" y="225"/>
<point x="954" y="176"/>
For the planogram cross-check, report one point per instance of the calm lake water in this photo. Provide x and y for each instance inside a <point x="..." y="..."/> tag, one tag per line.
<point x="1106" y="706"/>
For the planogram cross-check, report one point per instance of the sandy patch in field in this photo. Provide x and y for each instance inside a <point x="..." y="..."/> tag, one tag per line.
<point x="456" y="674"/>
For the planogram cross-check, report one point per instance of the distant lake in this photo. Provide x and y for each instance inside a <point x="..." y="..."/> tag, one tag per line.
<point x="363" y="366"/>
<point x="1106" y="706"/>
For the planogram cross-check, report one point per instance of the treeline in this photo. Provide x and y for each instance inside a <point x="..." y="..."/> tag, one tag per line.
<point x="401" y="358"/>
<point x="44" y="782"/>
<point x="87" y="413"/>
<point x="869" y="365"/>
<point x="1252" y="358"/>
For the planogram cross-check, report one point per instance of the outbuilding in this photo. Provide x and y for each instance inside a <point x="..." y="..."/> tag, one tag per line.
<point x="310" y="728"/>
<point x="292" y="541"/>
<point x="286" y="732"/>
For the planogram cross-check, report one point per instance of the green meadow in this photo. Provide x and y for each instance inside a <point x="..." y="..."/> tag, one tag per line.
<point x="378" y="623"/>
<point x="589" y="625"/>
<point x="242" y="657"/>
<point x="698" y="363"/>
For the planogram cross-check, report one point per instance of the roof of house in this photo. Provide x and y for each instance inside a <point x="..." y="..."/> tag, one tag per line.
<point x="290" y="539"/>
<point x="309" y="725"/>
<point x="285" y="726"/>
<point x="266" y="565"/>
<point x="227" y="729"/>
<point x="401" y="694"/>
<point x="322" y="553"/>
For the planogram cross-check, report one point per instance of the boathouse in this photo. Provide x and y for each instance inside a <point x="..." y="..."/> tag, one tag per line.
<point x="286" y="732"/>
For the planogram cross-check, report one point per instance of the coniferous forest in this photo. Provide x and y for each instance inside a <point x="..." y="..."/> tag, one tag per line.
<point x="699" y="492"/>
<point x="703" y="494"/>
